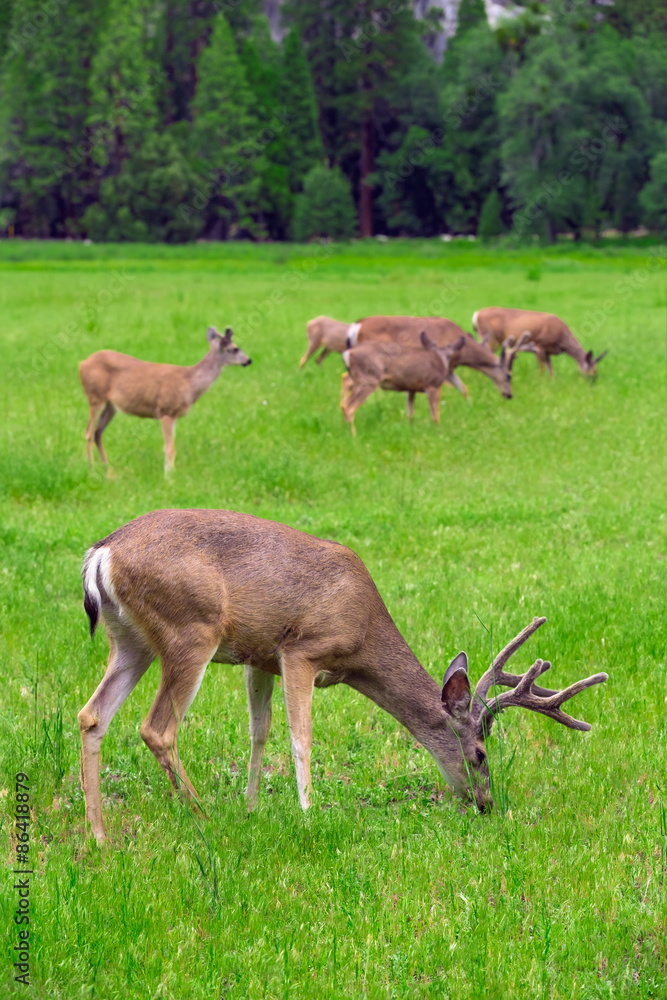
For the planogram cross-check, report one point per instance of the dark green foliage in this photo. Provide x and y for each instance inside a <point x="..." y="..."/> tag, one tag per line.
<point x="562" y="106"/>
<point x="325" y="208"/>
<point x="300" y="141"/>
<point x="226" y="144"/>
<point x="577" y="135"/>
<point x="654" y="196"/>
<point x="490" y="220"/>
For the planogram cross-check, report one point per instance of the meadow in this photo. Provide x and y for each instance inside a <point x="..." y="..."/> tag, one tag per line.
<point x="551" y="504"/>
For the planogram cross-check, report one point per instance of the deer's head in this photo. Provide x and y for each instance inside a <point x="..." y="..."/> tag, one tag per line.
<point x="468" y="717"/>
<point x="229" y="353"/>
<point x="589" y="367"/>
<point x="445" y="353"/>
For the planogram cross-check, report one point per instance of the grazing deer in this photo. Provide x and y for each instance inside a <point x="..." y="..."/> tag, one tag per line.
<point x="114" y="381"/>
<point x="200" y="586"/>
<point x="388" y="365"/>
<point x="407" y="330"/>
<point x="330" y="334"/>
<point x="547" y="335"/>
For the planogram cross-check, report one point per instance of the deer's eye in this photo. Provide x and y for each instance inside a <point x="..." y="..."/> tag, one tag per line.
<point x="481" y="756"/>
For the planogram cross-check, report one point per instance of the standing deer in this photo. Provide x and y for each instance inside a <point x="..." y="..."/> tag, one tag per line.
<point x="547" y="335"/>
<point x="388" y="365"/>
<point x="406" y="330"/>
<point x="330" y="334"/>
<point x="145" y="389"/>
<point x="195" y="586"/>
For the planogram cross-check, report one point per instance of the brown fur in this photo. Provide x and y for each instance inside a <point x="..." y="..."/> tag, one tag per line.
<point x="406" y="330"/>
<point x="163" y="392"/>
<point x="329" y="334"/>
<point x="191" y="586"/>
<point x="548" y="335"/>
<point x="388" y="365"/>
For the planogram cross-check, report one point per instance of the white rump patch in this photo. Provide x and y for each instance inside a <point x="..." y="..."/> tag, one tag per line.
<point x="353" y="334"/>
<point x="346" y="358"/>
<point x="99" y="559"/>
<point x="474" y="321"/>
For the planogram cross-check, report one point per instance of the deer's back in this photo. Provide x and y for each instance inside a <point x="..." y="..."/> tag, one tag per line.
<point x="141" y="388"/>
<point x="408" y="329"/>
<point x="330" y="332"/>
<point x="256" y="585"/>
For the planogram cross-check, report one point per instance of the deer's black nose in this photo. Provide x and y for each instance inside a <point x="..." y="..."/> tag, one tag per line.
<point x="248" y="362"/>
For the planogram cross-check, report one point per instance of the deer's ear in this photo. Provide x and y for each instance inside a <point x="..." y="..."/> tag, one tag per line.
<point x="426" y="340"/>
<point x="212" y="334"/>
<point x="227" y="339"/>
<point x="456" y="693"/>
<point x="589" y="358"/>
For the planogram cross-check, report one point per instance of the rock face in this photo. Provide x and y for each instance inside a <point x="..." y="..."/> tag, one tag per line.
<point x="495" y="9"/>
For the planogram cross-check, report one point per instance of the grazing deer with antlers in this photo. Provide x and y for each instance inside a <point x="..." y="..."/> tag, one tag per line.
<point x="387" y="365"/>
<point x="195" y="586"/>
<point x="546" y="335"/>
<point x="406" y="330"/>
<point x="114" y="381"/>
<point x="329" y="334"/>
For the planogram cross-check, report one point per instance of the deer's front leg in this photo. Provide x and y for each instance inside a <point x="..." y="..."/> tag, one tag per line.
<point x="259" y="686"/>
<point x="298" y="681"/>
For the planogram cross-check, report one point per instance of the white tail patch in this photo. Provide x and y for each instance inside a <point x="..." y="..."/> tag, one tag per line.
<point x="99" y="561"/>
<point x="474" y="321"/>
<point x="346" y="359"/>
<point x="353" y="334"/>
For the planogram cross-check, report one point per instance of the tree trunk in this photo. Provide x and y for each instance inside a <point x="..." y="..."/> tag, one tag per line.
<point x="365" y="191"/>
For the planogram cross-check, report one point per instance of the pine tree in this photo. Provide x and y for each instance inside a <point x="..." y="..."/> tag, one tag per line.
<point x="144" y="179"/>
<point x="300" y="142"/>
<point x="45" y="150"/>
<point x="490" y="219"/>
<point x="359" y="55"/>
<point x="226" y="143"/>
<point x="325" y="208"/>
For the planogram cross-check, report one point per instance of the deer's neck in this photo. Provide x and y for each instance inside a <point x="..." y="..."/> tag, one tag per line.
<point x="397" y="682"/>
<point x="205" y="372"/>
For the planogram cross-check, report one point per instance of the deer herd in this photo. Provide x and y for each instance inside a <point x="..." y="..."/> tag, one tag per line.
<point x="198" y="586"/>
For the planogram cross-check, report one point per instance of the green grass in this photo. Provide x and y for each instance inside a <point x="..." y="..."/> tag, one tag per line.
<point x="553" y="503"/>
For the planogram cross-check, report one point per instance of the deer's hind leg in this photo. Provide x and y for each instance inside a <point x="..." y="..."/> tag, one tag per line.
<point x="129" y="658"/>
<point x="259" y="685"/>
<point x="183" y="670"/>
<point x="96" y="408"/>
<point x="108" y="413"/>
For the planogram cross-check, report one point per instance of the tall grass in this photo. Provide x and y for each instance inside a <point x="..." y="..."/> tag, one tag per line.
<point x="552" y="503"/>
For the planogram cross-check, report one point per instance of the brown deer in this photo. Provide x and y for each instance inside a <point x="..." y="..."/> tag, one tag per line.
<point x="406" y="330"/>
<point x="388" y="365"/>
<point x="200" y="586"/>
<point x="114" y="381"/>
<point x="547" y="335"/>
<point x="329" y="334"/>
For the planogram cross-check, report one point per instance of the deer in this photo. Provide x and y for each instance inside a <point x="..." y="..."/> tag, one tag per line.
<point x="194" y="587"/>
<point x="329" y="334"/>
<point x="388" y="365"/>
<point x="114" y="381"/>
<point x="547" y="335"/>
<point x="406" y="330"/>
